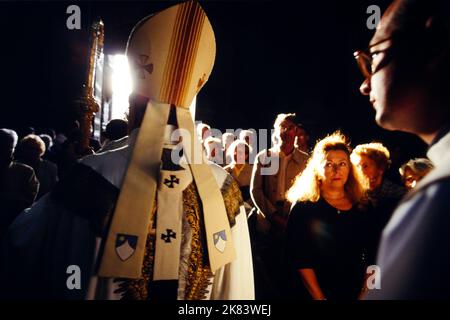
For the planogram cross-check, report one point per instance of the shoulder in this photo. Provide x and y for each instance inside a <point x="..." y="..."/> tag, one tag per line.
<point x="220" y="174"/>
<point x="264" y="154"/>
<point x="22" y="169"/>
<point x="109" y="157"/>
<point x="304" y="209"/>
<point x="228" y="168"/>
<point x="110" y="164"/>
<point x="435" y="190"/>
<point x="436" y="193"/>
<point x="48" y="165"/>
<point x="223" y="178"/>
<point x="306" y="205"/>
<point x="114" y="144"/>
<point x="439" y="175"/>
<point x="230" y="191"/>
<point x="300" y="156"/>
<point x="301" y="217"/>
<point x="263" y="157"/>
<point x="392" y="189"/>
<point x="426" y="208"/>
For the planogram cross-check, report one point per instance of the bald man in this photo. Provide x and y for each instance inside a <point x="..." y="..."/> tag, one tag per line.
<point x="407" y="78"/>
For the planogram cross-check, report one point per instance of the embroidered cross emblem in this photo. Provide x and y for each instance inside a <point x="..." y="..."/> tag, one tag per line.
<point x="170" y="234"/>
<point x="172" y="181"/>
<point x="142" y="65"/>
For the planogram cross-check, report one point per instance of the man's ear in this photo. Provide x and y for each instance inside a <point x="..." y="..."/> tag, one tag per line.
<point x="437" y="42"/>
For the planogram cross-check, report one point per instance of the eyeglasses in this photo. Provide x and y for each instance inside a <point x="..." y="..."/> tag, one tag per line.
<point x="364" y="58"/>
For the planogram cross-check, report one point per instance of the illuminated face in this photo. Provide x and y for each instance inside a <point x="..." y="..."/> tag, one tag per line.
<point x="241" y="154"/>
<point x="335" y="169"/>
<point x="411" y="178"/>
<point x="206" y="133"/>
<point x="302" y="139"/>
<point x="395" y="88"/>
<point x="211" y="149"/>
<point x="287" y="132"/>
<point x="371" y="171"/>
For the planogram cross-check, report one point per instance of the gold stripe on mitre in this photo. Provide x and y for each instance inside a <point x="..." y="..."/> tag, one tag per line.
<point x="180" y="65"/>
<point x="171" y="55"/>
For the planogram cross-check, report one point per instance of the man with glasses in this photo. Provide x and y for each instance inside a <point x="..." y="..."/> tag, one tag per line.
<point x="407" y="77"/>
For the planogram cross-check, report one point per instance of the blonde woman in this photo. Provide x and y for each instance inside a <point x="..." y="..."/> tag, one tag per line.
<point x="326" y="228"/>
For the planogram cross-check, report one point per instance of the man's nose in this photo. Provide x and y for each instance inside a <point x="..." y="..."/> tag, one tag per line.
<point x="365" y="87"/>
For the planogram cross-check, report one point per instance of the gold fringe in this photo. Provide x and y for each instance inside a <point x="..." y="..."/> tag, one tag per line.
<point x="232" y="197"/>
<point x="199" y="275"/>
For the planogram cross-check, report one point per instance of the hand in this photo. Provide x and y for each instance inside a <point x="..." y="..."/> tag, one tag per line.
<point x="363" y="293"/>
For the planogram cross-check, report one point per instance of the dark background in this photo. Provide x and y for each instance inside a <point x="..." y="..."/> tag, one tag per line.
<point x="272" y="57"/>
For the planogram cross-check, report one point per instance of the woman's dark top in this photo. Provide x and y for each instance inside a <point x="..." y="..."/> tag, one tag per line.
<point x="332" y="242"/>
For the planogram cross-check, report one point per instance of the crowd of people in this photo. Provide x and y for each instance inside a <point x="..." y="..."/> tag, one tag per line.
<point x="340" y="189"/>
<point x="319" y="217"/>
<point x="33" y="163"/>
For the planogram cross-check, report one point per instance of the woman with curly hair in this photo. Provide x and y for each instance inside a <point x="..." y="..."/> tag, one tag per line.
<point x="326" y="228"/>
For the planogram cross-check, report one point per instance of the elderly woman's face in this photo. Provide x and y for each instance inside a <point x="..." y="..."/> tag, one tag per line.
<point x="334" y="169"/>
<point x="371" y="171"/>
<point x="241" y="154"/>
<point x="411" y="178"/>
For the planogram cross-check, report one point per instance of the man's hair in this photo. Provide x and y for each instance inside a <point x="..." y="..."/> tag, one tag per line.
<point x="227" y="139"/>
<point x="409" y="26"/>
<point x="413" y="14"/>
<point x="214" y="140"/>
<point x="50" y="132"/>
<point x="201" y="126"/>
<point x="47" y="140"/>
<point x="421" y="43"/>
<point x="420" y="166"/>
<point x="375" y="151"/>
<point x="284" y="116"/>
<point x="8" y="140"/>
<point x="212" y="143"/>
<point x="30" y="146"/>
<point x="246" y="133"/>
<point x="116" y="129"/>
<point x="302" y="126"/>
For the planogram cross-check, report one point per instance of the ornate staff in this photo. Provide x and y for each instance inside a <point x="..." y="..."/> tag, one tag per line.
<point x="89" y="104"/>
